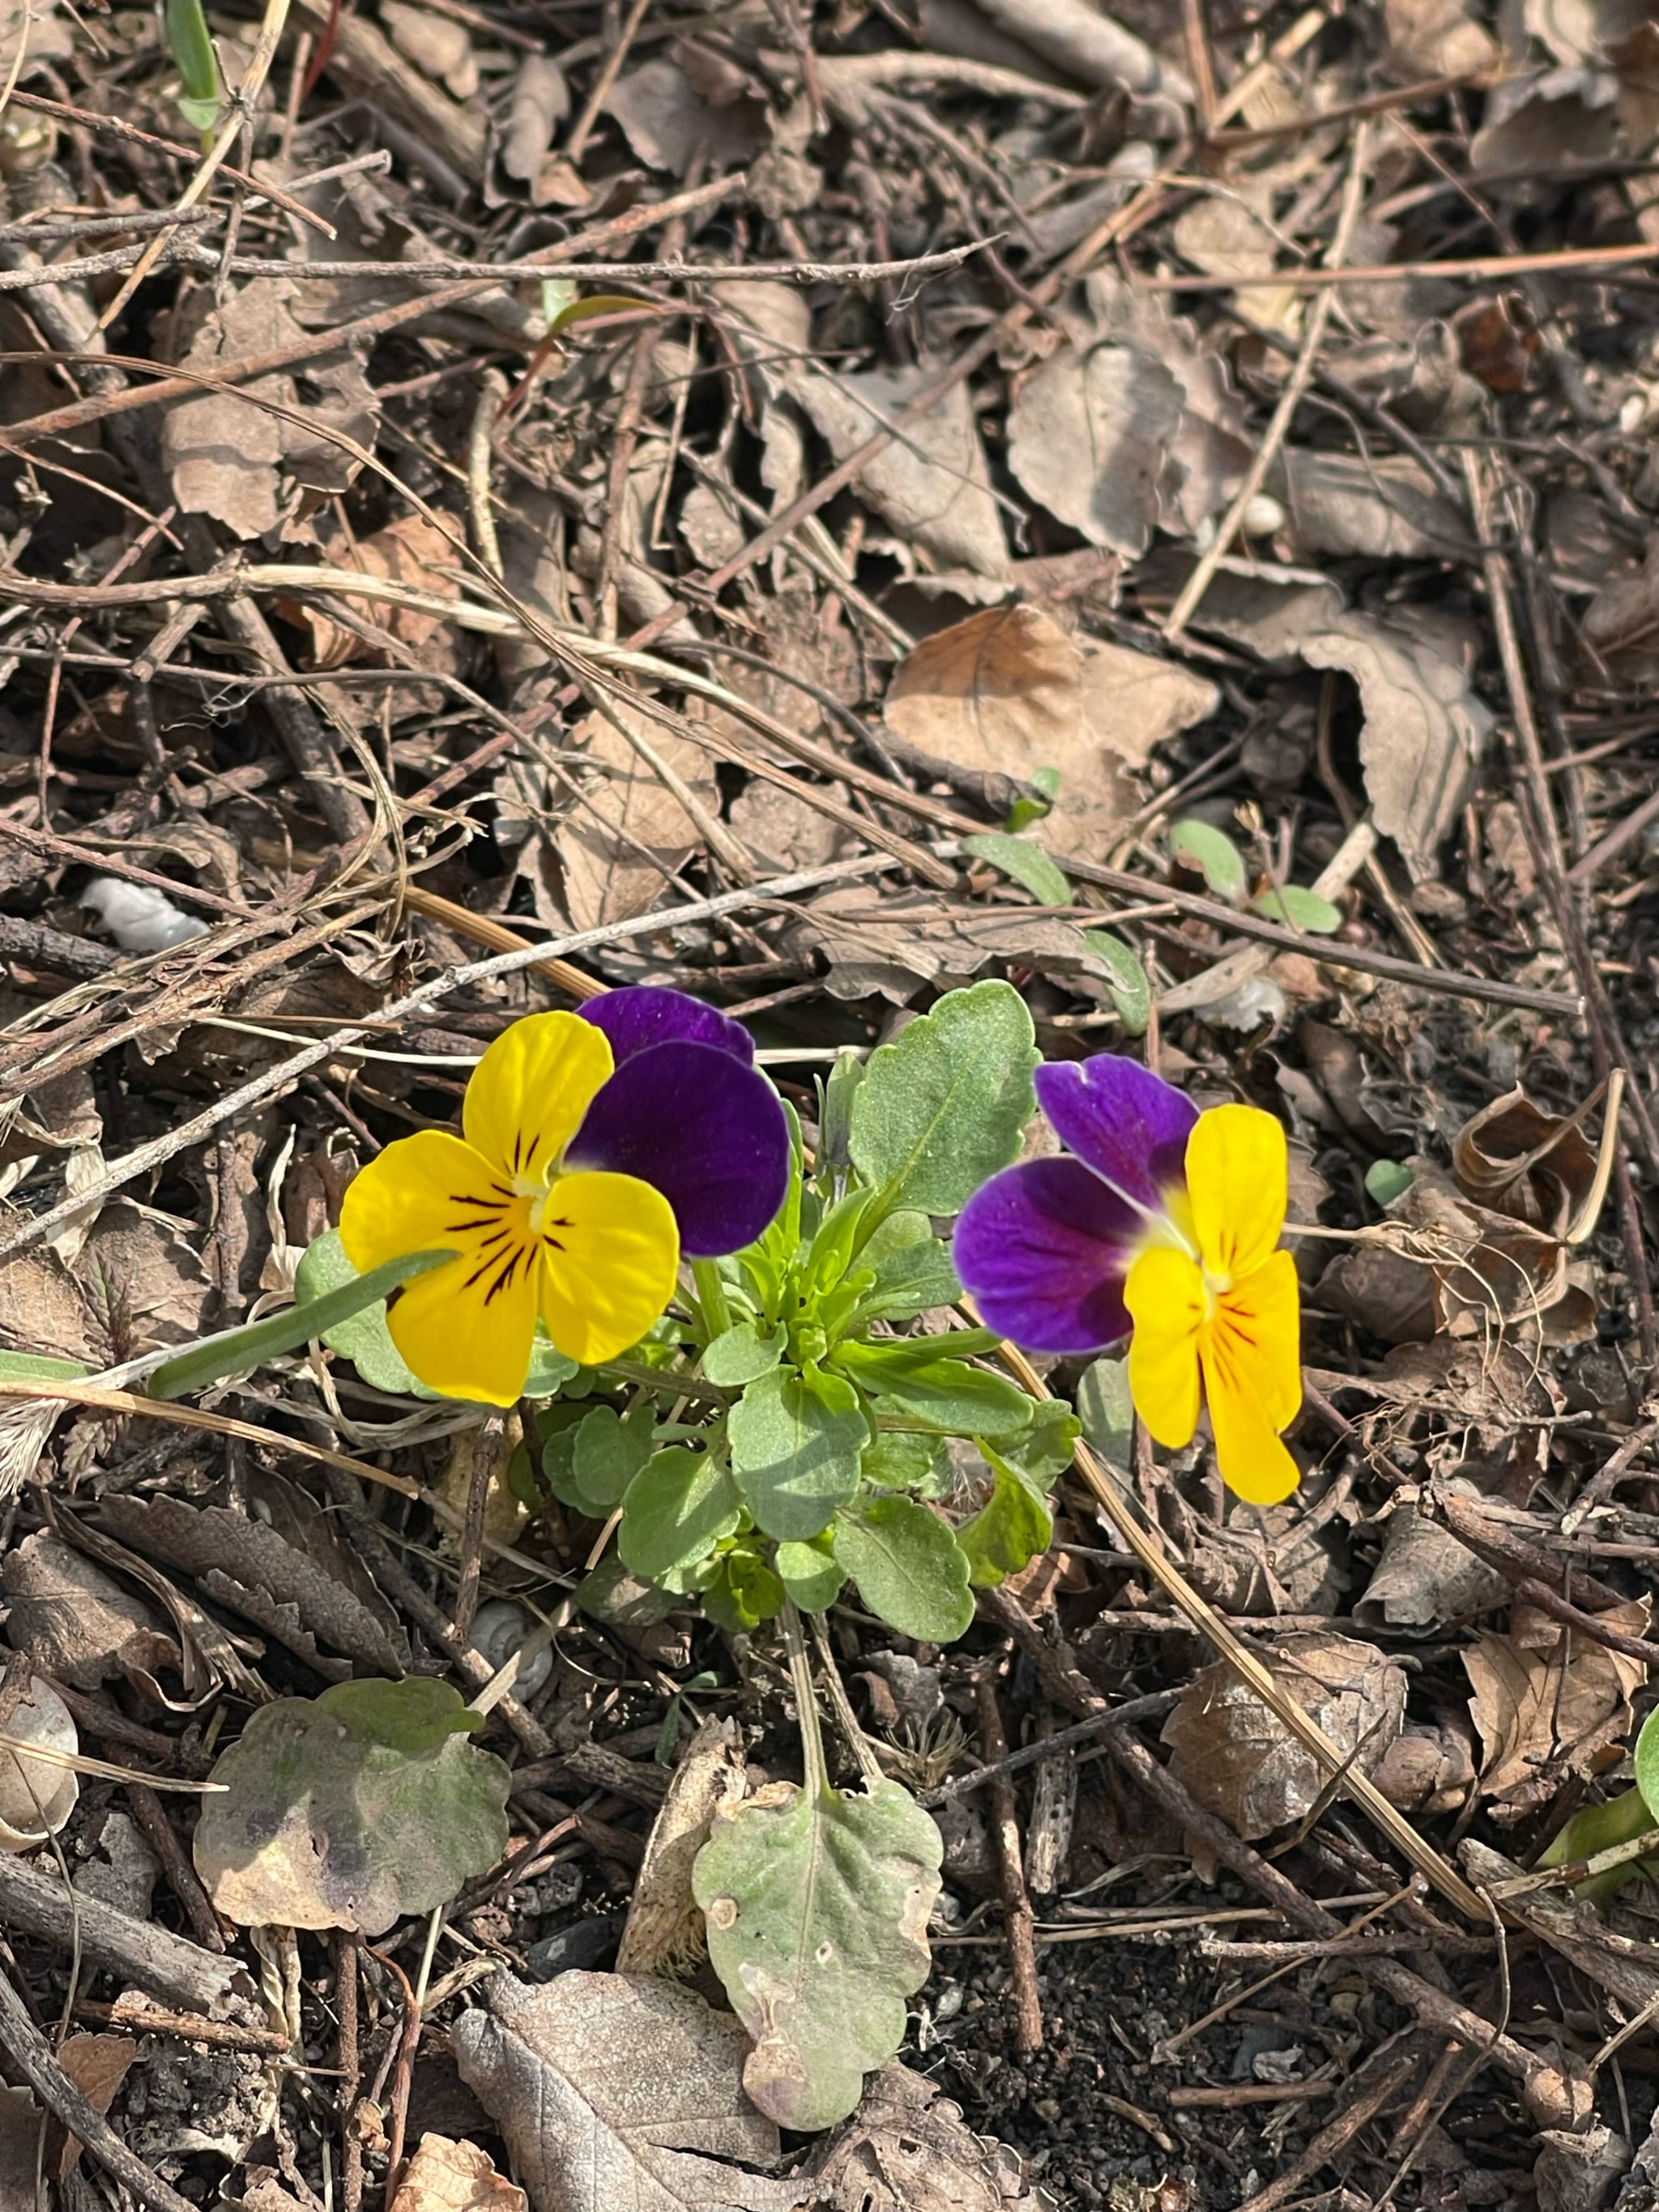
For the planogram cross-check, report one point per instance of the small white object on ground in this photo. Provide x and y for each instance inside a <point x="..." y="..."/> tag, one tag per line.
<point x="140" y="919"/>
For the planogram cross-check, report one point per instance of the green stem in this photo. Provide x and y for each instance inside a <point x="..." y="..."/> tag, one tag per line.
<point x="711" y="1298"/>
<point x="806" y="1703"/>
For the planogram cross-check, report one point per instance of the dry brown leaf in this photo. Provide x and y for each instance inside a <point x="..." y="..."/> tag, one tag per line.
<point x="541" y="101"/>
<point x="1088" y="436"/>
<point x="411" y="551"/>
<point x="438" y="46"/>
<point x="888" y="947"/>
<point x="97" y="2064"/>
<point x="932" y="483"/>
<point x="37" y="1795"/>
<point x="42" y="1310"/>
<point x="630" y="832"/>
<point x="1464" y="1268"/>
<point x="670" y="123"/>
<point x="1382" y="506"/>
<point x="21" y="2120"/>
<point x="908" y="2149"/>
<point x="1518" y="1159"/>
<point x="1425" y="1577"/>
<point x="248" y="1565"/>
<point x="1244" y="1765"/>
<point x="228" y="457"/>
<point x="1546" y="1699"/>
<point x="75" y="1623"/>
<point x="454" y="2177"/>
<point x="1009" y="691"/>
<point x="663" y="1934"/>
<point x="1210" y="449"/>
<point x="612" y="2091"/>
<point x="1223" y="233"/>
<point x="142" y="1279"/>
<point x="1580" y="30"/>
<point x="43" y="34"/>
<point x="1428" y="1770"/>
<point x="1434" y="37"/>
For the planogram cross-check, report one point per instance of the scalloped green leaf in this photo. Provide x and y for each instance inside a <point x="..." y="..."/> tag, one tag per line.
<point x="817" y="1910"/>
<point x="352" y="1810"/>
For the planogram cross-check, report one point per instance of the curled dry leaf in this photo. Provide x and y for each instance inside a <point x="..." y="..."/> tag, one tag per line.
<point x="1546" y="1699"/>
<point x="1223" y="233"/>
<point x="1429" y="1769"/>
<point x="541" y="101"/>
<point x="908" y="2149"/>
<point x="891" y="948"/>
<point x="228" y="457"/>
<point x="1244" y="1765"/>
<point x="1088" y="436"/>
<point x="1539" y="1167"/>
<point x="37" y="1795"/>
<point x="670" y="124"/>
<point x="454" y="2177"/>
<point x="1009" y="691"/>
<point x="933" y="484"/>
<point x="1435" y="38"/>
<point x="260" y="1573"/>
<point x="75" y="1622"/>
<point x="1425" y="1577"/>
<point x="1425" y="729"/>
<point x="438" y="46"/>
<point x="613" y="2091"/>
<point x="1210" y="449"/>
<point x="663" y="1932"/>
<point x="410" y="550"/>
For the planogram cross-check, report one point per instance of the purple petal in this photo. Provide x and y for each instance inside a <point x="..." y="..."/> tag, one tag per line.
<point x="646" y="1014"/>
<point x="1043" y="1249"/>
<point x="1125" y="1122"/>
<point x="706" y="1131"/>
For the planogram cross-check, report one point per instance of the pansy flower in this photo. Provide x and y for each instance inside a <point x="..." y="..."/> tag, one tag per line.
<point x="1162" y="1226"/>
<point x="596" y="1148"/>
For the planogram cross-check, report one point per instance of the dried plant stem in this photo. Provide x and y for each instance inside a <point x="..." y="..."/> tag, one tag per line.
<point x="1018" y="1922"/>
<point x="1295" y="386"/>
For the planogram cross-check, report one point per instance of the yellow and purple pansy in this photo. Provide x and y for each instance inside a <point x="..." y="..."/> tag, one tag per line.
<point x="596" y="1147"/>
<point x="1162" y="1226"/>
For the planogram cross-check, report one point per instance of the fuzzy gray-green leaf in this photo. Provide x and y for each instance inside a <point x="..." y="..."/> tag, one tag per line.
<point x="817" y="1910"/>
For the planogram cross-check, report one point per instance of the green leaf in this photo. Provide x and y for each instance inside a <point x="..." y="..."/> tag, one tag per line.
<point x="1212" y="853"/>
<point x="912" y="1281"/>
<point x="910" y="1570"/>
<point x="607" y="1452"/>
<point x="352" y="1810"/>
<point x="844" y="1079"/>
<point x="743" y="1354"/>
<point x="902" y="1459"/>
<point x="1012" y="1526"/>
<point x="1600" y="1828"/>
<point x="1389" y="1180"/>
<point x="549" y="1371"/>
<point x="597" y="303"/>
<point x="834" y="1241"/>
<point x="236" y="1350"/>
<point x="810" y="1573"/>
<point x="795" y="1443"/>
<point x="1298" y="909"/>
<point x="1647" y="1764"/>
<point x="817" y="1919"/>
<point x="677" y="1509"/>
<point x="35" y="1367"/>
<point x="1045" y="784"/>
<point x="1127" y="984"/>
<point x="1107" y="1410"/>
<point x="1045" y="1450"/>
<point x="1028" y="864"/>
<point x="364" y="1339"/>
<point x="945" y="1105"/>
<point x="743" y="1592"/>
<point x="947" y="1395"/>
<point x="192" y="46"/>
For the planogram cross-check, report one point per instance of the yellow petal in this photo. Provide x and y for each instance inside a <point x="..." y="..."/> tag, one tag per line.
<point x="421" y="1195"/>
<point x="611" y="1255"/>
<point x="1252" y="1359"/>
<point x="466" y="1329"/>
<point x="1237" y="1181"/>
<point x="529" y="1092"/>
<point x="1164" y="1293"/>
